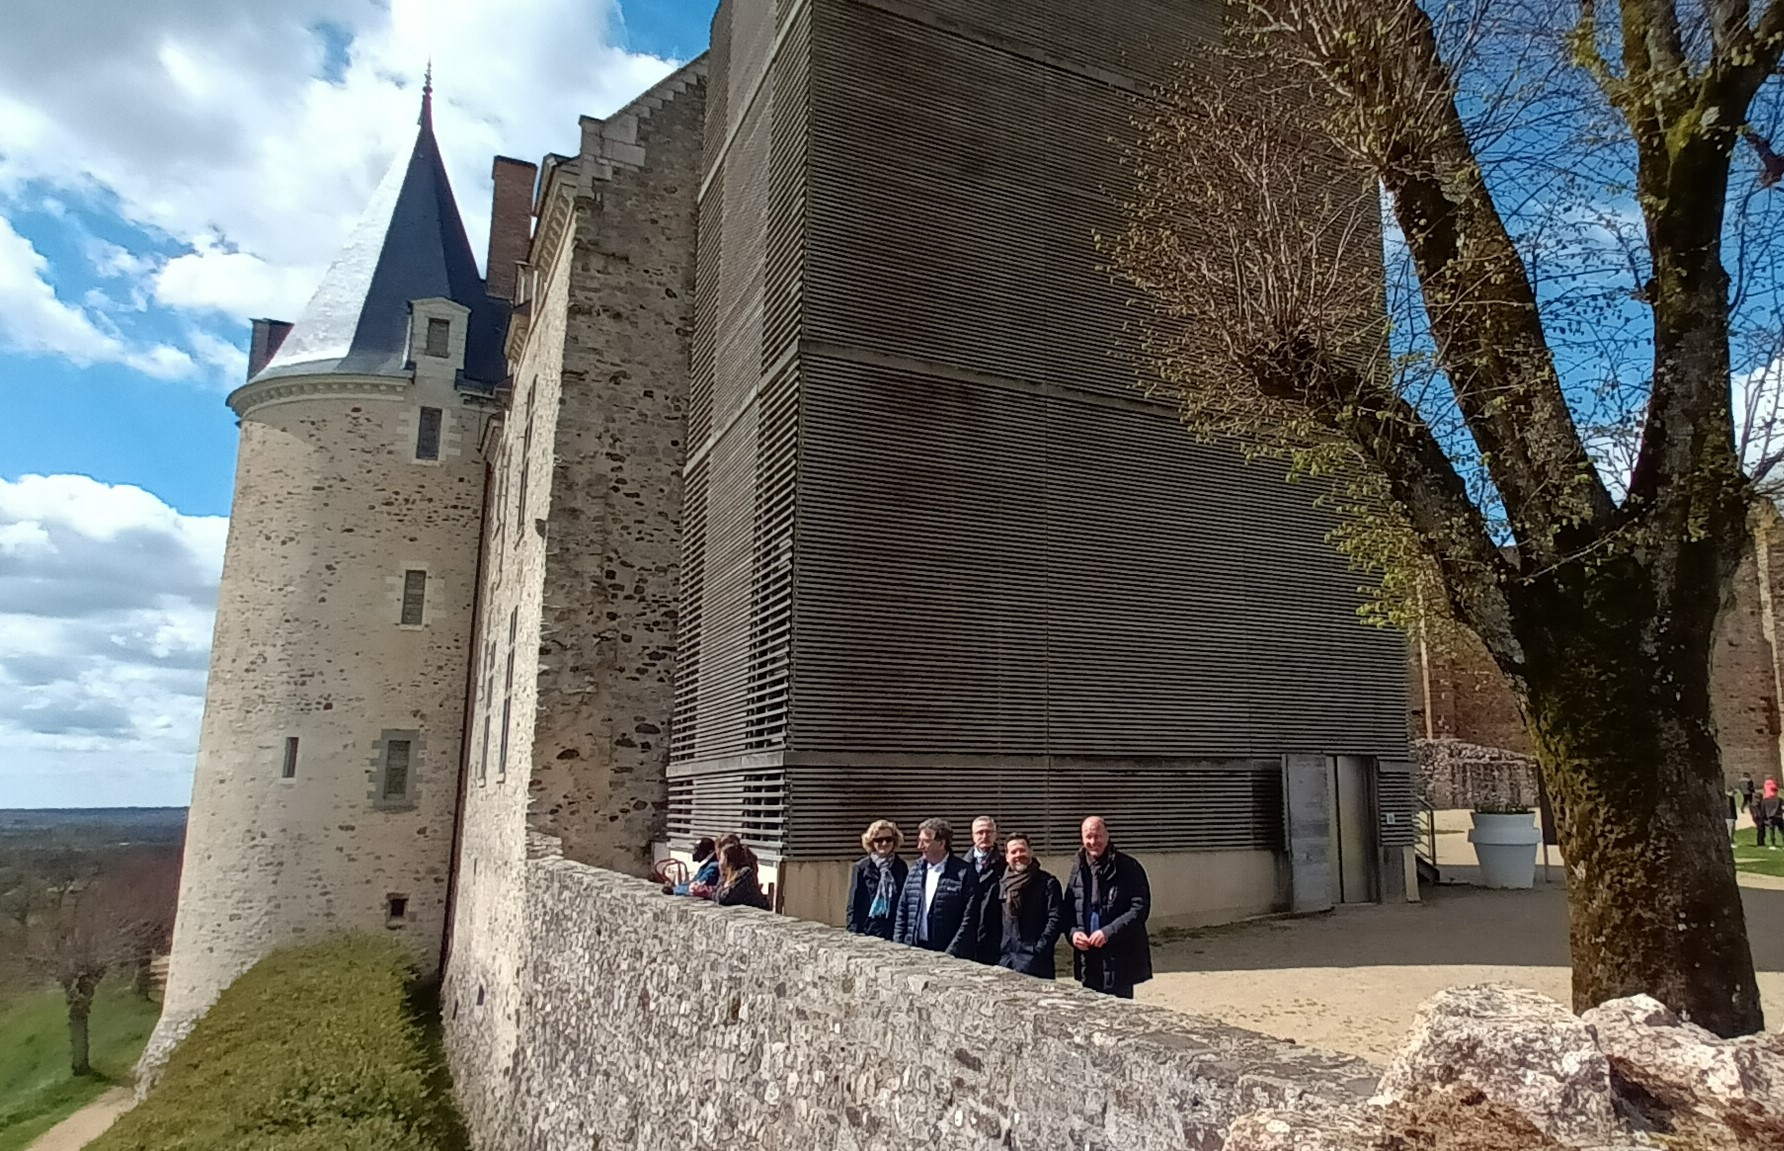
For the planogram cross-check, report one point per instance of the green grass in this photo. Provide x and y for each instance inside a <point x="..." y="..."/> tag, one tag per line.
<point x="1757" y="860"/>
<point x="36" y="1090"/>
<point x="324" y="1048"/>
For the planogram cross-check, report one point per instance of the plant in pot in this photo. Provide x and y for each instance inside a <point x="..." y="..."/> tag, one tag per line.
<point x="1505" y="839"/>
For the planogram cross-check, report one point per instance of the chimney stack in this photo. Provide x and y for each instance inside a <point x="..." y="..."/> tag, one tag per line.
<point x="510" y="223"/>
<point x="268" y="336"/>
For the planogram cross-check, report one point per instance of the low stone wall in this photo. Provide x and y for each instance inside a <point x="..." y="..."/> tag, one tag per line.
<point x="1454" y="774"/>
<point x="650" y="1021"/>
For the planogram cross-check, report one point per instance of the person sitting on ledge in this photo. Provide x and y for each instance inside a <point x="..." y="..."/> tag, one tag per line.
<point x="706" y="859"/>
<point x="738" y="884"/>
<point x="878" y="881"/>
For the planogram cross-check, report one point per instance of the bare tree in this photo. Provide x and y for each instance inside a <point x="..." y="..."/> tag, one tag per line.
<point x="1538" y="436"/>
<point x="109" y="919"/>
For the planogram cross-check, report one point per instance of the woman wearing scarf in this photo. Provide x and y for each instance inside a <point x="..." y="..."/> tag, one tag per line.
<point x="1033" y="912"/>
<point x="1768" y="812"/>
<point x="878" y="880"/>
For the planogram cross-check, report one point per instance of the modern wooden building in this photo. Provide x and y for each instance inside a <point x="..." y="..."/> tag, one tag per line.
<point x="941" y="555"/>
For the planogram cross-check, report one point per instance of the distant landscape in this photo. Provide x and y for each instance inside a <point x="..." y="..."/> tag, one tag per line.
<point x="91" y="827"/>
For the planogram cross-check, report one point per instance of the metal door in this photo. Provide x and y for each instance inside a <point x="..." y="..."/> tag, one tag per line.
<point x="1353" y="829"/>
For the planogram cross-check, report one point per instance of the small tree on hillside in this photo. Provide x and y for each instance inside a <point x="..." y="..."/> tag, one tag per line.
<point x="110" y="919"/>
<point x="1478" y="467"/>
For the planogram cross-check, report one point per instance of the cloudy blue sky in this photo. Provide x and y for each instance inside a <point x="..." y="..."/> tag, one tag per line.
<point x="169" y="169"/>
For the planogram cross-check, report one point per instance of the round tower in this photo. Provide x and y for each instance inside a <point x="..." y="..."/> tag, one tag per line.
<point x="327" y="775"/>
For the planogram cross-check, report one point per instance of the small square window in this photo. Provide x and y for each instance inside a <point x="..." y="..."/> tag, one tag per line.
<point x="438" y="332"/>
<point x="427" y="436"/>
<point x="396" y="910"/>
<point x="414" y="598"/>
<point x="289" y="770"/>
<point x="396" y="769"/>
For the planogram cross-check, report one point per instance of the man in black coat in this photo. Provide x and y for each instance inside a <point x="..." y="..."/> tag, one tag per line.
<point x="940" y="891"/>
<point x="1030" y="910"/>
<point x="1107" y="903"/>
<point x="988" y="870"/>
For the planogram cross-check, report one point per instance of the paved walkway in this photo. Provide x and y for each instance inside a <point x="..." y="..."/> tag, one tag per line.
<point x="1351" y="980"/>
<point x="87" y="1124"/>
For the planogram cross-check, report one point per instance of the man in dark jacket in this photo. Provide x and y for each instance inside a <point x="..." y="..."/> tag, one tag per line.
<point x="935" y="907"/>
<point x="988" y="870"/>
<point x="1030" y="911"/>
<point x="1107" y="903"/>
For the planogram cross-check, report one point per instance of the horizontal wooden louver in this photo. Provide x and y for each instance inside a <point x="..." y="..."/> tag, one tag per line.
<point x="1397" y="800"/>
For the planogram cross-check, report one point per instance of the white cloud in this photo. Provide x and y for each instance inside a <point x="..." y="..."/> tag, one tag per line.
<point x="33" y="319"/>
<point x="211" y="122"/>
<point x="106" y="601"/>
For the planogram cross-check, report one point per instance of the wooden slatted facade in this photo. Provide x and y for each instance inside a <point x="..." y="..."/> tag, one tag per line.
<point x="941" y="555"/>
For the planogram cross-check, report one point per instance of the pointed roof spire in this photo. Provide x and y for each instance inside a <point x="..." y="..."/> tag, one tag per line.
<point x="410" y="245"/>
<point x="427" y="97"/>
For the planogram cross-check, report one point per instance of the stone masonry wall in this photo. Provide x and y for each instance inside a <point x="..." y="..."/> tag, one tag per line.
<point x="1470" y="701"/>
<point x="662" y="1022"/>
<point x="585" y="570"/>
<point x="331" y="508"/>
<point x="607" y="640"/>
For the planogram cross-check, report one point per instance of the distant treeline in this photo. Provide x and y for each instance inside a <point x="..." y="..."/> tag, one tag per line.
<point x="92" y="827"/>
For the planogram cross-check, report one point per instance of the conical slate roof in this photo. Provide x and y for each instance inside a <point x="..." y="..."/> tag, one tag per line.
<point x="409" y="245"/>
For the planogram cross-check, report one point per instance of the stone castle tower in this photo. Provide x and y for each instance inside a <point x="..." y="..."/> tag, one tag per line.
<point x="327" y="772"/>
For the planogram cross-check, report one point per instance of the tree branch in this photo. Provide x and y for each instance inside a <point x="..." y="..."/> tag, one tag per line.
<point x="1481" y="305"/>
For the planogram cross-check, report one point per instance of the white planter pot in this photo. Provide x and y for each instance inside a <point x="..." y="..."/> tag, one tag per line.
<point x="1506" y="847"/>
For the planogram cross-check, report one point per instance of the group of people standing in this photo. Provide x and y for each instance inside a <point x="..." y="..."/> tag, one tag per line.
<point x="996" y="905"/>
<point x="1764" y="805"/>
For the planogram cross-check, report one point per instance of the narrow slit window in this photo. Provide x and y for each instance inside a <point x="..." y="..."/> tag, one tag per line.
<point x="438" y="333"/>
<point x="289" y="769"/>
<point x="427" y="436"/>
<point x="507" y="695"/>
<point x="396" y="769"/>
<point x="526" y="462"/>
<point x="414" y="598"/>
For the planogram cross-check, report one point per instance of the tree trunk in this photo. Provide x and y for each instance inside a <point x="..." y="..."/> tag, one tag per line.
<point x="1617" y="695"/>
<point x="79" y="994"/>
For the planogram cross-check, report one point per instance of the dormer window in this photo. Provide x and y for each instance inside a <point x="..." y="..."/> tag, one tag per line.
<point x="438" y="333"/>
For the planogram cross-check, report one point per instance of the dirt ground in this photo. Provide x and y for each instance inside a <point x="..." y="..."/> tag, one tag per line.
<point x="1350" y="980"/>
<point x="87" y="1124"/>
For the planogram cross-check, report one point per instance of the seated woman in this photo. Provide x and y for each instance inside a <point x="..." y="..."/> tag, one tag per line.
<point x="706" y="875"/>
<point x="738" y="885"/>
<point x="1033" y="912"/>
<point x="878" y="878"/>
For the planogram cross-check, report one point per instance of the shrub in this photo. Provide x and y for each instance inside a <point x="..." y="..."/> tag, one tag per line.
<point x="332" y="1047"/>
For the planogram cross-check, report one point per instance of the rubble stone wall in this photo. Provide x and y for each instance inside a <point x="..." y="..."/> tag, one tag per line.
<point x="657" y="1021"/>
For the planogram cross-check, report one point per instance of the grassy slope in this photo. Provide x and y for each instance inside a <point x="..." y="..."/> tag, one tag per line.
<point x="323" y="1048"/>
<point x="36" y="1090"/>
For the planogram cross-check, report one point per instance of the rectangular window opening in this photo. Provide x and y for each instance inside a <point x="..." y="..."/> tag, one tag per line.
<point x="396" y="910"/>
<point x="414" y="598"/>
<point x="289" y="770"/>
<point x="427" y="436"/>
<point x="438" y="332"/>
<point x="396" y="769"/>
<point x="507" y="694"/>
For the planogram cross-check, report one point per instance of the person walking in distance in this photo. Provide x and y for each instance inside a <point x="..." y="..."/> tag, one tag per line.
<point x="1107" y="901"/>
<point x="1030" y="911"/>
<point x="878" y="881"/>
<point x="988" y="870"/>
<point x="935" y="912"/>
<point x="1768" y="815"/>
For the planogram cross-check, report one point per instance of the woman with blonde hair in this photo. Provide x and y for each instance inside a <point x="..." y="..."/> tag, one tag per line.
<point x="878" y="880"/>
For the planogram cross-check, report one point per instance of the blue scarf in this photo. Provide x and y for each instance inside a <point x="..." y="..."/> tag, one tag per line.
<point x="886" y="892"/>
